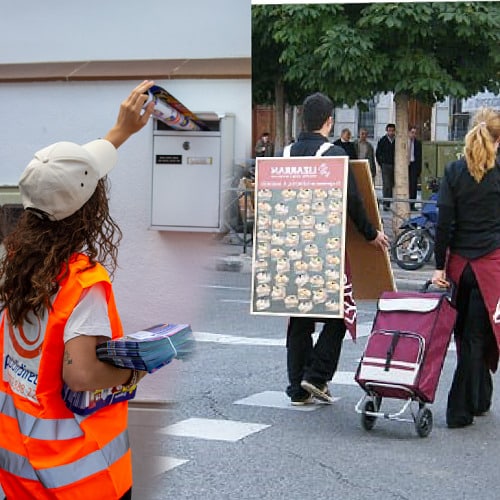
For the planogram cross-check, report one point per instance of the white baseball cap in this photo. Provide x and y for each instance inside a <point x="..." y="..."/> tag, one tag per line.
<point x="62" y="177"/>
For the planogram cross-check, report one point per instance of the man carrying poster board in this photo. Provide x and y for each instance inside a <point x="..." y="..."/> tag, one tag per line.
<point x="311" y="367"/>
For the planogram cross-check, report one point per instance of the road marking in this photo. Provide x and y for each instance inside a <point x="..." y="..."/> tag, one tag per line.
<point x="276" y="399"/>
<point x="344" y="378"/>
<point x="363" y="330"/>
<point x="233" y="339"/>
<point x="212" y="429"/>
<point x="224" y="287"/>
<point x="149" y="466"/>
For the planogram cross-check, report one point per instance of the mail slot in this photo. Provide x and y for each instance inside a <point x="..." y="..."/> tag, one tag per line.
<point x="190" y="170"/>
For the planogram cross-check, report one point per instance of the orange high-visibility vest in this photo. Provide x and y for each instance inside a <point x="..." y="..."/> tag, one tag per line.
<point x="47" y="451"/>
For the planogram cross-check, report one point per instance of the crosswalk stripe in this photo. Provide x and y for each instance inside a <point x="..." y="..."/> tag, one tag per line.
<point x="213" y="429"/>
<point x="233" y="339"/>
<point x="155" y="465"/>
<point x="276" y="399"/>
<point x="344" y="378"/>
<point x="363" y="330"/>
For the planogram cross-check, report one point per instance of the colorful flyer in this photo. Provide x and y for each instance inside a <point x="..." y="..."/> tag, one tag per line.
<point x="172" y="112"/>
<point x="299" y="236"/>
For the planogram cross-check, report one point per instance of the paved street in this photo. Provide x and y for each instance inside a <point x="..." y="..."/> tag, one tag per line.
<point x="220" y="427"/>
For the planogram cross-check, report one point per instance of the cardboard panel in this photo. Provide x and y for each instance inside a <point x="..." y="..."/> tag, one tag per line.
<point x="371" y="269"/>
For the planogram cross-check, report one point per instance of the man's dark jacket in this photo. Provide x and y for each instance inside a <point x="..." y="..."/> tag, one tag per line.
<point x="307" y="145"/>
<point x="348" y="147"/>
<point x="385" y="151"/>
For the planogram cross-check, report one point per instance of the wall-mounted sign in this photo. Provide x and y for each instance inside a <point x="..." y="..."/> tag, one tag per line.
<point x="168" y="159"/>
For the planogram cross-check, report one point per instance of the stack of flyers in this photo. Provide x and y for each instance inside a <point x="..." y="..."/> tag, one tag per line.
<point x="148" y="349"/>
<point x="172" y="112"/>
<point x="87" y="402"/>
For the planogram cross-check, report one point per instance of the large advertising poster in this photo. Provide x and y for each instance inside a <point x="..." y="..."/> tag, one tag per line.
<point x="299" y="240"/>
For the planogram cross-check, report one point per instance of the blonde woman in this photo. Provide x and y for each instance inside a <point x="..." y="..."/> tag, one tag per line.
<point x="468" y="253"/>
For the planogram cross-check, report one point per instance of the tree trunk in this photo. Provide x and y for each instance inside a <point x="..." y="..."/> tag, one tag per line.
<point x="401" y="209"/>
<point x="279" y="93"/>
<point x="288" y="124"/>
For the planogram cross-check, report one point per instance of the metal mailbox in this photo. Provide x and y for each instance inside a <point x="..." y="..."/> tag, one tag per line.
<point x="190" y="172"/>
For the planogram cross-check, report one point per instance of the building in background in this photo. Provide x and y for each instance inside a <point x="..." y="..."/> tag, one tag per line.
<point x="444" y="121"/>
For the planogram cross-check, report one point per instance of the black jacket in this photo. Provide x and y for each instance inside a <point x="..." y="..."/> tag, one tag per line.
<point x="307" y="145"/>
<point x="417" y="153"/>
<point x="469" y="213"/>
<point x="385" y="151"/>
<point x="348" y="147"/>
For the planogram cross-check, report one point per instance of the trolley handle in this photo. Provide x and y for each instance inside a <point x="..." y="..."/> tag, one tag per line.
<point x="449" y="293"/>
<point x="390" y="351"/>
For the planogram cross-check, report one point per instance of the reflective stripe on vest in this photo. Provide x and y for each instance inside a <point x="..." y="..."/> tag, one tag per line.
<point x="56" y="477"/>
<point x="17" y="465"/>
<point x="50" y="429"/>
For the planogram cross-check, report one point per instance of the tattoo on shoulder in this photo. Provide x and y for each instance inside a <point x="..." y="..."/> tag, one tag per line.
<point x="67" y="358"/>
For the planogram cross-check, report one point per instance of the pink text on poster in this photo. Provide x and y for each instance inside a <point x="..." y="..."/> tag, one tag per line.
<point x="304" y="172"/>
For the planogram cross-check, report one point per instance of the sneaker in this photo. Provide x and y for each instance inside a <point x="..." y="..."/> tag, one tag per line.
<point x="319" y="391"/>
<point x="302" y="400"/>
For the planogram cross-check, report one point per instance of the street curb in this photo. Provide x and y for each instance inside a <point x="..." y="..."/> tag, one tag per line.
<point x="152" y="404"/>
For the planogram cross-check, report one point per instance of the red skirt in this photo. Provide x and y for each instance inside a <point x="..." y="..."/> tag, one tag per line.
<point x="487" y="272"/>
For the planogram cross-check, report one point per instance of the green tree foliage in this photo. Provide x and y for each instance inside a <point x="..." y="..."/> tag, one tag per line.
<point x="351" y="52"/>
<point x="354" y="51"/>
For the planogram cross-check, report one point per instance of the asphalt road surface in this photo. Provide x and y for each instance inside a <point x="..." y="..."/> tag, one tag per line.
<point x="232" y="434"/>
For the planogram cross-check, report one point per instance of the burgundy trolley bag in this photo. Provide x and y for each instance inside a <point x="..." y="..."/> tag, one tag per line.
<point x="405" y="352"/>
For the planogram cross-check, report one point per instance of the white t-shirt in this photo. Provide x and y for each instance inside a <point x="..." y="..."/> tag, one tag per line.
<point x="90" y="316"/>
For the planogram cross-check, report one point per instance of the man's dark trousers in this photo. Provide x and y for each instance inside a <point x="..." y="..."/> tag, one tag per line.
<point x="318" y="363"/>
<point x="387" y="182"/>
<point x="413" y="174"/>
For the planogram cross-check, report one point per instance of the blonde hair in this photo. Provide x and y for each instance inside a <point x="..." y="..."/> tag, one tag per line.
<point x="479" y="150"/>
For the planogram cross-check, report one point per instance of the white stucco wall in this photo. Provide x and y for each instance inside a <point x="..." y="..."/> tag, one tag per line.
<point x="160" y="273"/>
<point x="62" y="30"/>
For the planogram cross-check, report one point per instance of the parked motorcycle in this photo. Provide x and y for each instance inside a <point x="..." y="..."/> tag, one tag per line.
<point x="415" y="244"/>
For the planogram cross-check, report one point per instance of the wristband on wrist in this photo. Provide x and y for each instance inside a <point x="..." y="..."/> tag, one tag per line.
<point x="133" y="380"/>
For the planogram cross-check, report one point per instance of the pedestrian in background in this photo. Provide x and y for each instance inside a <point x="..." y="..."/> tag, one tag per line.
<point x="364" y="151"/>
<point x="467" y="252"/>
<point x="58" y="304"/>
<point x="310" y="368"/>
<point x="414" y="163"/>
<point x="264" y="146"/>
<point x="345" y="143"/>
<point x="385" y="157"/>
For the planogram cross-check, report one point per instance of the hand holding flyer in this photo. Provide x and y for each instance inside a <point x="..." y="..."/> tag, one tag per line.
<point x="146" y="350"/>
<point x="172" y="112"/>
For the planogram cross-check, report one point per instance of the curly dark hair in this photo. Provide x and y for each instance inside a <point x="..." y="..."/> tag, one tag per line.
<point x="37" y="249"/>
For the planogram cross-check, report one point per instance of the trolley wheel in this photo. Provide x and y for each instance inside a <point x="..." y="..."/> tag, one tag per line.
<point x="423" y="422"/>
<point x="368" y="421"/>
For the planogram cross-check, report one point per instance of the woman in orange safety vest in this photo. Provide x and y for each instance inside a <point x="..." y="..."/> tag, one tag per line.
<point x="57" y="305"/>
